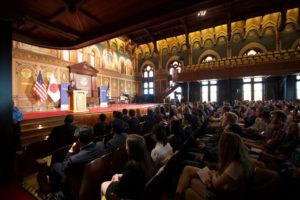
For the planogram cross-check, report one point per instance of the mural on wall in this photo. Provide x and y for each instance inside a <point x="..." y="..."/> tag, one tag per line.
<point x="114" y="87"/>
<point x="128" y="87"/>
<point x="64" y="76"/>
<point x="112" y="61"/>
<point x="40" y="50"/>
<point x="25" y="78"/>
<point x="122" y="86"/>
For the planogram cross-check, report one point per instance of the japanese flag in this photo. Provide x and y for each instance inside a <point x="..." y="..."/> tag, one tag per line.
<point x="53" y="90"/>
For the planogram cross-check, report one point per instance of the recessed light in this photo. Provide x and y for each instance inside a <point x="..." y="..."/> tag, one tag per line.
<point x="201" y="13"/>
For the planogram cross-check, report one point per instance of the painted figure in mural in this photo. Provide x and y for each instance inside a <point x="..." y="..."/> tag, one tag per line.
<point x="110" y="59"/>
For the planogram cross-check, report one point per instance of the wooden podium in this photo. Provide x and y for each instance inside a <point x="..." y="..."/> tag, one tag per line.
<point x="77" y="100"/>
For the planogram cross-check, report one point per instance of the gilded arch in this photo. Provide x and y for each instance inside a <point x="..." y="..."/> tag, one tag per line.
<point x="207" y="53"/>
<point x="173" y="58"/>
<point x="147" y="62"/>
<point x="253" y="45"/>
<point x="295" y="43"/>
<point x="97" y="55"/>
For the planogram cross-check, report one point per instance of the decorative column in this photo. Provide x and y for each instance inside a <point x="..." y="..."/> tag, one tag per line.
<point x="188" y="92"/>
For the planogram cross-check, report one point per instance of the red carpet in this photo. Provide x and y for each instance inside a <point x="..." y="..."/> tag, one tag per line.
<point x="52" y="113"/>
<point x="14" y="191"/>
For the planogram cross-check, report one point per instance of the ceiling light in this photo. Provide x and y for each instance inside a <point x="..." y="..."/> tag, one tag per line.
<point x="201" y="13"/>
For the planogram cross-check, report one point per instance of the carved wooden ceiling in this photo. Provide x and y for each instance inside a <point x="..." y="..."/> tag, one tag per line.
<point x="71" y="24"/>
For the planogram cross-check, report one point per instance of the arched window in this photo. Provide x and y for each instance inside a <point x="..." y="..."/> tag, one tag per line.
<point x="148" y="80"/>
<point x="80" y="55"/>
<point x="252" y="52"/>
<point x="177" y="94"/>
<point x="208" y="58"/>
<point x="175" y="65"/>
<point x="66" y="55"/>
<point x="92" y="58"/>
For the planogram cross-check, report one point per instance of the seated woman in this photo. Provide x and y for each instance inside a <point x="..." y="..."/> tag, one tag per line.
<point x="163" y="150"/>
<point x="235" y="168"/>
<point x="138" y="170"/>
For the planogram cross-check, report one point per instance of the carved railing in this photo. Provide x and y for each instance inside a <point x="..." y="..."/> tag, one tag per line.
<point x="235" y="61"/>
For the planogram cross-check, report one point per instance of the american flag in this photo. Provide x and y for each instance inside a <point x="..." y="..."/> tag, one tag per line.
<point x="40" y="88"/>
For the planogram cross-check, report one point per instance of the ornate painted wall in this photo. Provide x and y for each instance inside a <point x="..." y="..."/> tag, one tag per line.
<point x="114" y="60"/>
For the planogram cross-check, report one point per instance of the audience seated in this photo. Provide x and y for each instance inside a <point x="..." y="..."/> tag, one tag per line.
<point x="187" y="125"/>
<point x="119" y="136"/>
<point x="162" y="151"/>
<point x="176" y="138"/>
<point x="63" y="135"/>
<point x="138" y="170"/>
<point x="133" y="122"/>
<point x="235" y="168"/>
<point x="101" y="128"/>
<point x="277" y="135"/>
<point x="284" y="150"/>
<point x="82" y="151"/>
<point x="250" y="116"/>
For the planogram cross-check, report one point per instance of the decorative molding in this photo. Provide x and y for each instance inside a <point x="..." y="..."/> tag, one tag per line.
<point x="253" y="45"/>
<point x="39" y="58"/>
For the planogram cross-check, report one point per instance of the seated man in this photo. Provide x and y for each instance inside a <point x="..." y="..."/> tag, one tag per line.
<point x="101" y="128"/>
<point x="81" y="152"/>
<point x="119" y="136"/>
<point x="63" y="135"/>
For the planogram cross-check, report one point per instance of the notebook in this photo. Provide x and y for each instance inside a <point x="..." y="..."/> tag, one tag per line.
<point x="203" y="174"/>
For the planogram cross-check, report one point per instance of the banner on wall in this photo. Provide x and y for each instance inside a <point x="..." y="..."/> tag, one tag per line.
<point x="64" y="96"/>
<point x="103" y="96"/>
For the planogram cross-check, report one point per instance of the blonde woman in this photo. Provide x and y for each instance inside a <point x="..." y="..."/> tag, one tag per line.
<point x="235" y="169"/>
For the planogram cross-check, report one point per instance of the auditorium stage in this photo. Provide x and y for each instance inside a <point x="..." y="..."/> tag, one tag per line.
<point x="36" y="126"/>
<point x="110" y="108"/>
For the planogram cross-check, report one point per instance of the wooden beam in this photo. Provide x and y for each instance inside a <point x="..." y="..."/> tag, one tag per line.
<point x="92" y="17"/>
<point x="53" y="27"/>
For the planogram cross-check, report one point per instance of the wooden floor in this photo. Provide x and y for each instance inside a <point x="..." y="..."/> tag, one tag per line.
<point x="37" y="126"/>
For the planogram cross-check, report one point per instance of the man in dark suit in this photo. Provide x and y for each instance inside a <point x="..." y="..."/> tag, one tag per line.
<point x="119" y="136"/>
<point x="101" y="128"/>
<point x="72" y="85"/>
<point x="82" y="152"/>
<point x="63" y="135"/>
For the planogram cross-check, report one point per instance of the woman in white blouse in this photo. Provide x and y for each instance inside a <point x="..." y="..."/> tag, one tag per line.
<point x="162" y="151"/>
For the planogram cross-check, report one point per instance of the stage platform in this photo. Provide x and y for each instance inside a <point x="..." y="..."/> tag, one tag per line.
<point x="110" y="108"/>
<point x="36" y="126"/>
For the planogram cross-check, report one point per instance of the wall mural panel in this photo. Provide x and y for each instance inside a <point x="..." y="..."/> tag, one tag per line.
<point x="128" y="88"/>
<point x="114" y="87"/>
<point x="121" y="86"/>
<point x="64" y="76"/>
<point x="25" y="79"/>
<point x="114" y="61"/>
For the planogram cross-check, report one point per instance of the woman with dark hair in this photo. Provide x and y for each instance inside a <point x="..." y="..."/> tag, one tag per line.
<point x="176" y="138"/>
<point x="138" y="170"/>
<point x="162" y="151"/>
